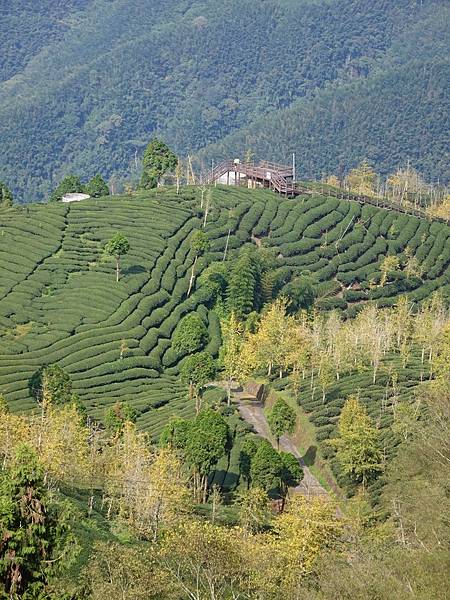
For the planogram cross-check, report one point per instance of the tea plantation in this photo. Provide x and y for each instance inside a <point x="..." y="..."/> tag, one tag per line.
<point x="60" y="303"/>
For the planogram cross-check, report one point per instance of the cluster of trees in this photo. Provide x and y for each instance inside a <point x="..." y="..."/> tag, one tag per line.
<point x="324" y="346"/>
<point x="310" y="550"/>
<point x="6" y="197"/>
<point x="405" y="187"/>
<point x="150" y="490"/>
<point x="158" y="160"/>
<point x="318" y="349"/>
<point x="270" y="470"/>
<point x="95" y="187"/>
<point x="253" y="279"/>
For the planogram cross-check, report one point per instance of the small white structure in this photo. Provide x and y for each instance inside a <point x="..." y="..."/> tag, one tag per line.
<point x="74" y="197"/>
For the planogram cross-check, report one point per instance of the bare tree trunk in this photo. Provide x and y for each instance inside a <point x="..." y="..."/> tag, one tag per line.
<point x="191" y="281"/>
<point x="226" y="245"/>
<point x="205" y="489"/>
<point x="206" y="213"/>
<point x="229" y="393"/>
<point x="198" y="403"/>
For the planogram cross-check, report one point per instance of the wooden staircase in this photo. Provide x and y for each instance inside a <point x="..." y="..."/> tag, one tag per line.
<point x="276" y="177"/>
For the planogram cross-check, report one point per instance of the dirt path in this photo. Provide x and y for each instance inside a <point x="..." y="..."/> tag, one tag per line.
<point x="254" y="414"/>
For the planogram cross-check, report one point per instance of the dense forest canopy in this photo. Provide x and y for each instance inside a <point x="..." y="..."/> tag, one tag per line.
<point x="88" y="88"/>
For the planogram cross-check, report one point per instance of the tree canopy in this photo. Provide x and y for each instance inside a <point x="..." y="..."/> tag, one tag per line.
<point x="69" y="185"/>
<point x="190" y="334"/>
<point x="97" y="187"/>
<point x="358" y="446"/>
<point x="158" y="160"/>
<point x="117" y="415"/>
<point x="117" y="247"/>
<point x="36" y="534"/>
<point x="281" y="419"/>
<point x="6" y="197"/>
<point x="51" y="383"/>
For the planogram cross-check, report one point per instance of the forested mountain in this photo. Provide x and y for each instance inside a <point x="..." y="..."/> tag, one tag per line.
<point x="86" y="83"/>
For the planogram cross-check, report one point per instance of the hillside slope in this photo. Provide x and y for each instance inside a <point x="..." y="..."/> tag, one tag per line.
<point x="194" y="72"/>
<point x="59" y="301"/>
<point x="342" y="125"/>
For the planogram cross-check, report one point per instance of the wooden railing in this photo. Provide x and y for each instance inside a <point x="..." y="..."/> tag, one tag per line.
<point x="278" y="178"/>
<point x="380" y="203"/>
<point x="264" y="173"/>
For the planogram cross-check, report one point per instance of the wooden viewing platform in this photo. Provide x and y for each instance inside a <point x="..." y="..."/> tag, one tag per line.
<point x="280" y="179"/>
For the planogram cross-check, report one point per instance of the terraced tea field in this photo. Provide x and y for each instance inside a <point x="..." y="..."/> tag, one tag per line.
<point x="59" y="302"/>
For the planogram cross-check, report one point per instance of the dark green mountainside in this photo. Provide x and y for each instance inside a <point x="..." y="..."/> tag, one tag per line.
<point x="334" y="81"/>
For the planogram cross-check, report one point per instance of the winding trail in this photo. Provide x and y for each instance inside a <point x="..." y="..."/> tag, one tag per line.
<point x="254" y="415"/>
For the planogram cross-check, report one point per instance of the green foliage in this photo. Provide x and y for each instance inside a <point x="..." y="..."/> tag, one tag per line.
<point x="198" y="369"/>
<point x="37" y="541"/>
<point x="6" y="197"/>
<point x="158" y="160"/>
<point x="243" y="281"/>
<point x="323" y="149"/>
<point x="354" y="61"/>
<point x="175" y="433"/>
<point x="59" y="306"/>
<point x="291" y="472"/>
<point x="206" y="441"/>
<point x="300" y="293"/>
<point x="266" y="467"/>
<point x="51" y="384"/>
<point x="199" y="242"/>
<point x="97" y="187"/>
<point x="119" y="414"/>
<point x="190" y="335"/>
<point x="69" y="185"/>
<point x="118" y="245"/>
<point x="358" y="445"/>
<point x="215" y="279"/>
<point x="281" y="419"/>
<point x="247" y="452"/>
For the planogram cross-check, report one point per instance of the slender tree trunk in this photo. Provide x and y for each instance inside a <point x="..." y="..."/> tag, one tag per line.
<point x="205" y="488"/>
<point x="191" y="281"/>
<point x="229" y="393"/>
<point x="226" y="245"/>
<point x="206" y="214"/>
<point x="198" y="403"/>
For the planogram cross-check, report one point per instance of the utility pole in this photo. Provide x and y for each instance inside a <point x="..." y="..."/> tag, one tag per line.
<point x="293" y="167"/>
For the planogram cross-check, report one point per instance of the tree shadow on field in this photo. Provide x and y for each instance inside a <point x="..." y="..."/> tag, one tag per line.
<point x="309" y="457"/>
<point x="135" y="270"/>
